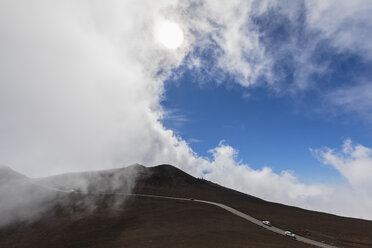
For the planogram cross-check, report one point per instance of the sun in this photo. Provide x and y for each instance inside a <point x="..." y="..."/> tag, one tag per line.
<point x="169" y="34"/>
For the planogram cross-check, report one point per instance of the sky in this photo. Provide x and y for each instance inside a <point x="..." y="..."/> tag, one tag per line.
<point x="270" y="98"/>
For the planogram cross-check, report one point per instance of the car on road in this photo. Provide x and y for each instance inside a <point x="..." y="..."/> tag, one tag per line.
<point x="290" y="234"/>
<point x="191" y="199"/>
<point x="267" y="223"/>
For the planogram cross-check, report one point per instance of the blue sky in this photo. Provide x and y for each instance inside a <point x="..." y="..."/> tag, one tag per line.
<point x="268" y="130"/>
<point x="269" y="127"/>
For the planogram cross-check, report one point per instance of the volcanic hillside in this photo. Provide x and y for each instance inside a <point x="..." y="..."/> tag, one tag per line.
<point x="7" y="174"/>
<point x="93" y="217"/>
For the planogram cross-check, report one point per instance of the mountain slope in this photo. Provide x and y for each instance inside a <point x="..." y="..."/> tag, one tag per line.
<point x="332" y="229"/>
<point x="114" y="180"/>
<point x="91" y="220"/>
<point x="7" y="174"/>
<point x="21" y="199"/>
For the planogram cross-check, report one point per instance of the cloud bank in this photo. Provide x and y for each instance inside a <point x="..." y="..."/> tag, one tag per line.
<point x="81" y="85"/>
<point x="353" y="162"/>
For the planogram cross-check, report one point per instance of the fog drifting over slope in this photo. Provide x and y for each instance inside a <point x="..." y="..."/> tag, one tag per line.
<point x="81" y="84"/>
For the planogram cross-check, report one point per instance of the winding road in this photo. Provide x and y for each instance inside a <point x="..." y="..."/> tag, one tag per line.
<point x="227" y="208"/>
<point x="231" y="210"/>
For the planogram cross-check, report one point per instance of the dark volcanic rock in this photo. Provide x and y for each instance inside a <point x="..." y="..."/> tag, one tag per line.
<point x="165" y="174"/>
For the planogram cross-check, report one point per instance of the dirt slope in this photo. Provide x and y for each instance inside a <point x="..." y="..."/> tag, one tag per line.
<point x="78" y="220"/>
<point x="336" y="230"/>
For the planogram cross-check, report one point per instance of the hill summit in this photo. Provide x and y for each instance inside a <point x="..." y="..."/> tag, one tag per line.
<point x="8" y="174"/>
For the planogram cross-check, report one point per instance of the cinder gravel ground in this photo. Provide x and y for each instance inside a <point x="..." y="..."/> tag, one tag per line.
<point x="148" y="222"/>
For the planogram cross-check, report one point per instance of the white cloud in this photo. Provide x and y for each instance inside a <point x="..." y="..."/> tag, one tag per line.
<point x="81" y="84"/>
<point x="354" y="163"/>
<point x="265" y="183"/>
<point x="353" y="99"/>
<point x="279" y="43"/>
<point x="347" y="24"/>
<point x="226" y="28"/>
<point x="77" y="85"/>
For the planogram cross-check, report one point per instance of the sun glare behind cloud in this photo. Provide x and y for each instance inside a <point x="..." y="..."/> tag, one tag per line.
<point x="169" y="34"/>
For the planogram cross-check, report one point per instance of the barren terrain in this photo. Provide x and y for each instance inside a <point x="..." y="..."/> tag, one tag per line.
<point x="91" y="220"/>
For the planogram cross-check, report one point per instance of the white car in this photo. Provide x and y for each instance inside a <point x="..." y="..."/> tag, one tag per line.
<point x="289" y="234"/>
<point x="266" y="222"/>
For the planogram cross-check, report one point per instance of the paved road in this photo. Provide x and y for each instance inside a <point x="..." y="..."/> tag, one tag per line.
<point x="227" y="208"/>
<point x="272" y="228"/>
